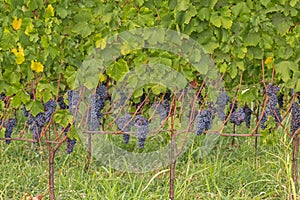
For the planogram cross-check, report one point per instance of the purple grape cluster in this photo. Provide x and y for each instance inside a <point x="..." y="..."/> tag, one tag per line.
<point x="248" y="113"/>
<point x="122" y="99"/>
<point x="271" y="109"/>
<point x="70" y="142"/>
<point x="238" y="116"/>
<point x="61" y="103"/>
<point x="280" y="100"/>
<point x="162" y="109"/>
<point x="97" y="103"/>
<point x="37" y="123"/>
<point x="142" y="129"/>
<point x="141" y="102"/>
<point x="100" y="99"/>
<point x="93" y="117"/>
<point x="73" y="98"/>
<point x="49" y="108"/>
<point x="204" y="121"/>
<point x="25" y="112"/>
<point x="295" y="117"/>
<point x="121" y="122"/>
<point x="168" y="95"/>
<point x="3" y="97"/>
<point x="222" y="101"/>
<point x="9" y="125"/>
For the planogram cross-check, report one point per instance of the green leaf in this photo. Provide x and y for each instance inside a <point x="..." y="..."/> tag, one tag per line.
<point x="62" y="12"/>
<point x="63" y="117"/>
<point x="223" y="67"/>
<point x="35" y="4"/>
<point x="204" y="14"/>
<point x="155" y="36"/>
<point x="83" y="28"/>
<point x="138" y="92"/>
<point x="211" y="46"/>
<point x="70" y="76"/>
<point x="240" y="7"/>
<point x="118" y="70"/>
<point x="189" y="14"/>
<point x="241" y="65"/>
<point x="293" y="3"/>
<point x="203" y="65"/>
<point x="251" y="39"/>
<point x="157" y="89"/>
<point x="232" y="70"/>
<point x="172" y="4"/>
<point x="281" y="23"/>
<point x="226" y="22"/>
<point x="215" y="19"/>
<point x="297" y="88"/>
<point x="11" y="77"/>
<point x="182" y="5"/>
<point x="248" y="95"/>
<point x="36" y="107"/>
<point x="85" y="15"/>
<point x="283" y="68"/>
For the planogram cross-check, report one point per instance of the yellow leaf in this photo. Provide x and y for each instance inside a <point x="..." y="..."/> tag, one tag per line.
<point x="37" y="66"/>
<point x="269" y="60"/>
<point x="19" y="55"/>
<point x="125" y="49"/>
<point x="101" y="43"/>
<point x="16" y="24"/>
<point x="29" y="28"/>
<point x="50" y="10"/>
<point x="102" y="77"/>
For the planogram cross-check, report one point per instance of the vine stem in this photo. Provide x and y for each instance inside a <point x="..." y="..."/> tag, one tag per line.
<point x="51" y="166"/>
<point x="295" y="160"/>
<point x="256" y="138"/>
<point x="173" y="153"/>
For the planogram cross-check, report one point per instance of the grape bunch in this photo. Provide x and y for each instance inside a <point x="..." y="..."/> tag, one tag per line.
<point x="295" y="118"/>
<point x="70" y="142"/>
<point x="248" y="113"/>
<point x="238" y="116"/>
<point x="9" y="125"/>
<point x="2" y="96"/>
<point x="100" y="99"/>
<point x="168" y="95"/>
<point x="122" y="99"/>
<point x="93" y="117"/>
<point x="121" y="122"/>
<point x="271" y="109"/>
<point x="141" y="102"/>
<point x="36" y="125"/>
<point x="232" y="105"/>
<point x="280" y="100"/>
<point x="263" y="120"/>
<point x="61" y="103"/>
<point x="97" y="103"/>
<point x="162" y="109"/>
<point x="204" y="121"/>
<point x="25" y="112"/>
<point x="222" y="101"/>
<point x="142" y="129"/>
<point x="73" y="98"/>
<point x="49" y="108"/>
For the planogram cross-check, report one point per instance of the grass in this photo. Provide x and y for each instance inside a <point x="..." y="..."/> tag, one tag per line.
<point x="228" y="172"/>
